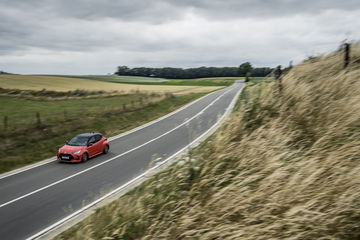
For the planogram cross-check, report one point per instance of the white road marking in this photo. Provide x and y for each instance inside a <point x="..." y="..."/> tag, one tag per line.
<point x="111" y="159"/>
<point x="64" y="220"/>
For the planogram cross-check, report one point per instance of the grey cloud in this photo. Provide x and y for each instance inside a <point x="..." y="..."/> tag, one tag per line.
<point x="158" y="11"/>
<point x="72" y="25"/>
<point x="136" y="10"/>
<point x="92" y="36"/>
<point x="264" y="8"/>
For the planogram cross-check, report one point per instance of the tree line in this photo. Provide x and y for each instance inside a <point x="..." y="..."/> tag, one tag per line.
<point x="244" y="69"/>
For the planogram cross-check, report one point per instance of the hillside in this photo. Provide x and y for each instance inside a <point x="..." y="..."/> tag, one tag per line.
<point x="285" y="166"/>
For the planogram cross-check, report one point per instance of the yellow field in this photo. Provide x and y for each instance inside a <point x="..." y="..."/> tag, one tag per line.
<point x="63" y="84"/>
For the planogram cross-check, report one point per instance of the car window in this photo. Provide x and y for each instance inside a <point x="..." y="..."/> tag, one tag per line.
<point x="78" y="141"/>
<point x="92" y="140"/>
<point x="97" y="138"/>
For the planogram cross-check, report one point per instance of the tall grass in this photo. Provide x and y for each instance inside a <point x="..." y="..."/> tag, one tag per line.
<point x="285" y="166"/>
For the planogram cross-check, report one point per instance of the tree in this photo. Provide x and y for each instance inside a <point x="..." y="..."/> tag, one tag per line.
<point x="123" y="70"/>
<point x="245" y="69"/>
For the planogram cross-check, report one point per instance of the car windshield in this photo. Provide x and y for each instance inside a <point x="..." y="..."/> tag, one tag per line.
<point x="78" y="141"/>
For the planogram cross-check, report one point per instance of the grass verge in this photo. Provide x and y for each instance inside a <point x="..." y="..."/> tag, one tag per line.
<point x="285" y="166"/>
<point x="27" y="141"/>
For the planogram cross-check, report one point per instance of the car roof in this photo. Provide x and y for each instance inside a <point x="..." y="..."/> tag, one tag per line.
<point x="88" y="134"/>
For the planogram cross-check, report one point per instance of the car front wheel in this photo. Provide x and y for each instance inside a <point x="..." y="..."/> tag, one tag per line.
<point x="85" y="157"/>
<point x="106" y="149"/>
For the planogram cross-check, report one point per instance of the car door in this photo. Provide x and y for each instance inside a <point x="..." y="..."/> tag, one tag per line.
<point x="99" y="147"/>
<point x="92" y="149"/>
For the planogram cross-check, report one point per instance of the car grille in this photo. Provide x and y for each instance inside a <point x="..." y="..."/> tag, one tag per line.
<point x="66" y="157"/>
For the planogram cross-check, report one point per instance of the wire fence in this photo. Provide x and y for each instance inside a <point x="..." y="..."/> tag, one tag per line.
<point x="12" y="122"/>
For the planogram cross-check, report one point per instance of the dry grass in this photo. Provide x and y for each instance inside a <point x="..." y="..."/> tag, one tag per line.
<point x="64" y="84"/>
<point x="286" y="166"/>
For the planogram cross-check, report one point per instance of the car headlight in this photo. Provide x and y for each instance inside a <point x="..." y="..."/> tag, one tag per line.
<point x="77" y="152"/>
<point x="59" y="151"/>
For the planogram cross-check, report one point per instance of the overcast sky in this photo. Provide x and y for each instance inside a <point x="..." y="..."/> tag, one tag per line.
<point x="96" y="36"/>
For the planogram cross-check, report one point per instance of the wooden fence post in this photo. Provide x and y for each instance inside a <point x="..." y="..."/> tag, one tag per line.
<point x="346" y="54"/>
<point x="278" y="75"/>
<point x="38" y="119"/>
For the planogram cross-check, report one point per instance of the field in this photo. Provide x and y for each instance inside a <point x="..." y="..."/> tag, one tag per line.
<point x="22" y="112"/>
<point x="221" y="81"/>
<point x="285" y="166"/>
<point x="28" y="138"/>
<point x="50" y="109"/>
<point x="56" y="83"/>
<point x="120" y="79"/>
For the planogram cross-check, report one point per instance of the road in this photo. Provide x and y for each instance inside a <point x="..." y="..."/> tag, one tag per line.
<point x="33" y="200"/>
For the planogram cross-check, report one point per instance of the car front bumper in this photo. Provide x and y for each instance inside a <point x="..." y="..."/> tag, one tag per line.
<point x="62" y="157"/>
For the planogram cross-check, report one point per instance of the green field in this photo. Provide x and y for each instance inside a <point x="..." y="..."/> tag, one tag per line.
<point x="21" y="112"/>
<point x="221" y="81"/>
<point x="27" y="140"/>
<point x="65" y="84"/>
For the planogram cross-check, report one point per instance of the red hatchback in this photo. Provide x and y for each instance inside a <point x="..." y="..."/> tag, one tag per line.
<point x="82" y="147"/>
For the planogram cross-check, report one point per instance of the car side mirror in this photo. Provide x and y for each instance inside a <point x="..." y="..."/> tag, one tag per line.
<point x="66" y="142"/>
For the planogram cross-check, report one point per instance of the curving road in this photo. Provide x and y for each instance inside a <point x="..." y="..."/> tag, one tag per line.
<point x="34" y="200"/>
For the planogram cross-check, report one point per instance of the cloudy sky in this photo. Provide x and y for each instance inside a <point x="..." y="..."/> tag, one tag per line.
<point x="93" y="36"/>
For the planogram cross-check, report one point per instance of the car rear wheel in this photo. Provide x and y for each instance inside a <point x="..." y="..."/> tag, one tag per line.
<point x="106" y="149"/>
<point x="85" y="157"/>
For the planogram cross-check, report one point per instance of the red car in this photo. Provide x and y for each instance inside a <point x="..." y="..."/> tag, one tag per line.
<point x="82" y="147"/>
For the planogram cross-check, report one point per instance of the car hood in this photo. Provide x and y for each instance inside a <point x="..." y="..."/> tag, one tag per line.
<point x="71" y="149"/>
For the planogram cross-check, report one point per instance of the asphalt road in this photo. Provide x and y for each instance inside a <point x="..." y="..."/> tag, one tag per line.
<point x="34" y="199"/>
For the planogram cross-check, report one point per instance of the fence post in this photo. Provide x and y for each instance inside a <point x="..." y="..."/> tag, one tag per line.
<point x="347" y="54"/>
<point x="6" y="122"/>
<point x="38" y="119"/>
<point x="278" y="74"/>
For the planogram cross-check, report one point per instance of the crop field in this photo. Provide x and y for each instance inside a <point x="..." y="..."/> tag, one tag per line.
<point x="121" y="79"/>
<point x="220" y="81"/>
<point x="63" y="84"/>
